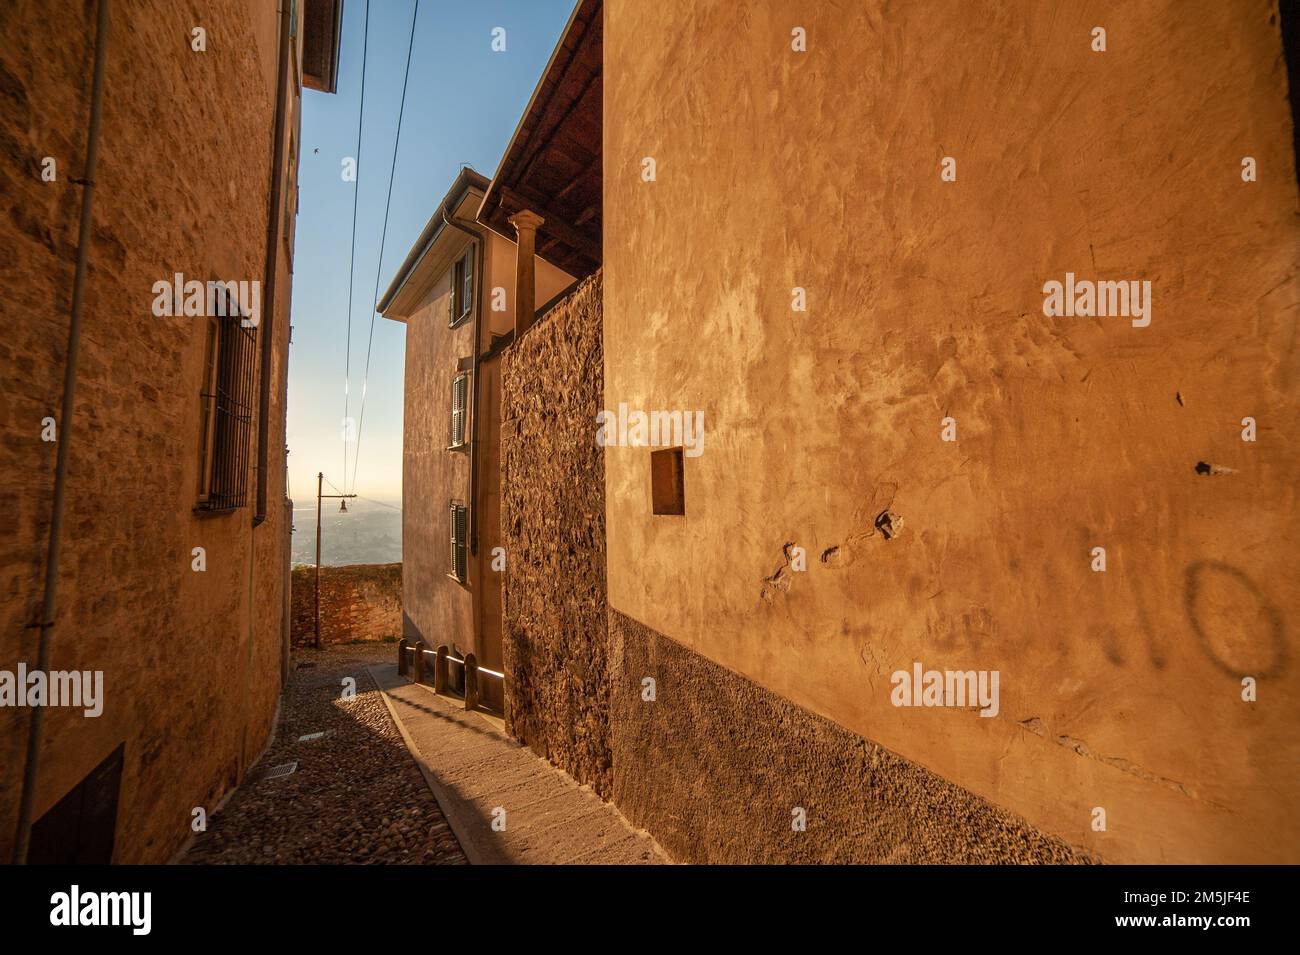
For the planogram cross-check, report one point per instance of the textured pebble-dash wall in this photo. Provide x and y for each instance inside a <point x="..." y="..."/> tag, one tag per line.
<point x="716" y="767"/>
<point x="553" y="524"/>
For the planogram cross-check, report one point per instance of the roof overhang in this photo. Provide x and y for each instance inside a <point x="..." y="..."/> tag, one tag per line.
<point x="322" y="26"/>
<point x="435" y="249"/>
<point x="553" y="164"/>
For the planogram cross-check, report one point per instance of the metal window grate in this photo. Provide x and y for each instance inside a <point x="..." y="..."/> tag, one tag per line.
<point x="230" y="408"/>
<point x="458" y="518"/>
<point x="459" y="408"/>
<point x="276" y="772"/>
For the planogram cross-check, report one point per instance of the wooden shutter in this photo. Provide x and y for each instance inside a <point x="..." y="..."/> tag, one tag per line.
<point x="452" y="287"/>
<point x="458" y="516"/>
<point x="452" y="522"/>
<point x="467" y="283"/>
<point x="462" y="515"/>
<point x="459" y="406"/>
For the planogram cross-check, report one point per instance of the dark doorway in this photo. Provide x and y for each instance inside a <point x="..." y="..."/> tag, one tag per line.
<point x="80" y="828"/>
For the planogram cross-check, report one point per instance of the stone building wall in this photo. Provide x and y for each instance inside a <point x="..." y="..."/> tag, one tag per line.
<point x="553" y="524"/>
<point x="191" y="660"/>
<point x="357" y="602"/>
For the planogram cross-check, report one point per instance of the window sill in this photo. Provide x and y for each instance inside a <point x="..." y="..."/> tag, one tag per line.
<point x="463" y="583"/>
<point x="459" y="322"/>
<point x="461" y="448"/>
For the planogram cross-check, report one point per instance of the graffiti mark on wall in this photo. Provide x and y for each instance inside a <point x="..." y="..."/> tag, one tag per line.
<point x="1239" y="629"/>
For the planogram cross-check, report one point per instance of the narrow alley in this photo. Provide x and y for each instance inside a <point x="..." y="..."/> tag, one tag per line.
<point x="688" y="445"/>
<point x="351" y="779"/>
<point x="355" y="796"/>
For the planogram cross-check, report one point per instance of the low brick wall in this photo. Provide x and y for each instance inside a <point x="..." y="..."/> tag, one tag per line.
<point x="553" y="524"/>
<point x="357" y="602"/>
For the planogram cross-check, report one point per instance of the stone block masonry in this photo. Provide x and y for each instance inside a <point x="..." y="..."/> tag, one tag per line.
<point x="358" y="602"/>
<point x="553" y="524"/>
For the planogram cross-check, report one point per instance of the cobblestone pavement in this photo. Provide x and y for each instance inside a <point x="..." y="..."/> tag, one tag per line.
<point x="356" y="796"/>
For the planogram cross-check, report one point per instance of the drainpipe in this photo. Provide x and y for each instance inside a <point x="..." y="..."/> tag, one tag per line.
<point x="269" y="277"/>
<point x="23" y="836"/>
<point x="480" y="242"/>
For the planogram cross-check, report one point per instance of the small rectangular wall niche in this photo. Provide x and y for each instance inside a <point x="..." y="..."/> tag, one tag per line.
<point x="667" y="492"/>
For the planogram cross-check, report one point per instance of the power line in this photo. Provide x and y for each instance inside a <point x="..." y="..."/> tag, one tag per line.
<point x="380" y="503"/>
<point x="356" y="192"/>
<point x="388" y="202"/>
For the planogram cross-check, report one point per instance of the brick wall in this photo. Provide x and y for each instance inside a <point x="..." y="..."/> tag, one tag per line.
<point x="357" y="602"/>
<point x="553" y="523"/>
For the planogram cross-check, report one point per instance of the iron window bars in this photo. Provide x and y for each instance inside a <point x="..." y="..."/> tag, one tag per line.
<point x="228" y="396"/>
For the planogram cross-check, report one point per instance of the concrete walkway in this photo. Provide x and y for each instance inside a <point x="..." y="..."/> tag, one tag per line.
<point x="478" y="775"/>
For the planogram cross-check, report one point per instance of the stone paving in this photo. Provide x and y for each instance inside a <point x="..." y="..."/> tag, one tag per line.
<point x="356" y="795"/>
<point x="506" y="804"/>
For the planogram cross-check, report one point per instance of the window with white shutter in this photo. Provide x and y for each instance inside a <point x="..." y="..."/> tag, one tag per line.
<point x="459" y="410"/>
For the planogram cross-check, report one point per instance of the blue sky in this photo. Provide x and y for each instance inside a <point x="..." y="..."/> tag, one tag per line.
<point x="462" y="104"/>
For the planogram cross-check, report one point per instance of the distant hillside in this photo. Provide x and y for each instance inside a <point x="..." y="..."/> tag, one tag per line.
<point x="369" y="533"/>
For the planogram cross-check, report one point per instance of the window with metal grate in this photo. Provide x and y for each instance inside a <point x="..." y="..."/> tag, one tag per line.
<point x="228" y="394"/>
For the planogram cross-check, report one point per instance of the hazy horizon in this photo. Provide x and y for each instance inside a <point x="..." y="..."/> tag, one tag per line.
<point x="369" y="532"/>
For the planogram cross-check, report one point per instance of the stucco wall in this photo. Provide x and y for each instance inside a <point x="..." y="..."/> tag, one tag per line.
<point x="553" y="524"/>
<point x="438" y="608"/>
<point x="549" y="281"/>
<point x="191" y="660"/>
<point x="775" y="169"/>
